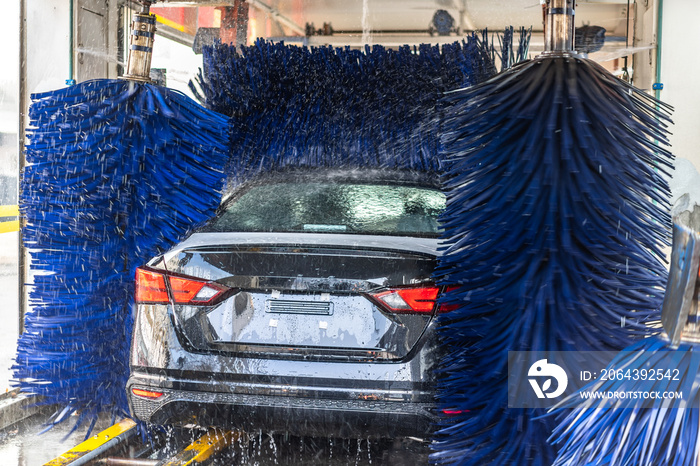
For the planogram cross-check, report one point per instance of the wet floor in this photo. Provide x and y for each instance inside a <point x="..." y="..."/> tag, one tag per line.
<point x="26" y="445"/>
<point x="261" y="449"/>
<point x="267" y="450"/>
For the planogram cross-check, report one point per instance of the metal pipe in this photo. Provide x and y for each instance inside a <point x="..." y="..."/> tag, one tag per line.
<point x="124" y="429"/>
<point x="22" y="258"/>
<point x="659" y="24"/>
<point x="143" y="31"/>
<point x="465" y="21"/>
<point x="625" y="70"/>
<point x="559" y="26"/>
<point x="113" y="461"/>
<point x="71" y="43"/>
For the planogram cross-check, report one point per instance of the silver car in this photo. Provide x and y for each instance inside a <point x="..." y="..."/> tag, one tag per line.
<point x="306" y="306"/>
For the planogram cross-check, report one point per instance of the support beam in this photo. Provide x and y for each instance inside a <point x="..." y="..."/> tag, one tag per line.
<point x="465" y="20"/>
<point x="22" y="258"/>
<point x="234" y="23"/>
<point x="277" y="17"/>
<point x="260" y="5"/>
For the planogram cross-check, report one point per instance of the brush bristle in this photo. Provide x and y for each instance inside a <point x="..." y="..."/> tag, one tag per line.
<point x="557" y="213"/>
<point x="333" y="107"/>
<point x="116" y="173"/>
<point x="610" y="432"/>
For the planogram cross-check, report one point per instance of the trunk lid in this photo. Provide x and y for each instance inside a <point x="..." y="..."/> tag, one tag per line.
<point x="303" y="294"/>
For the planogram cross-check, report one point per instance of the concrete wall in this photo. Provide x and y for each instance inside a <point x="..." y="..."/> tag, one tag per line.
<point x="48" y="39"/>
<point x="47" y="45"/>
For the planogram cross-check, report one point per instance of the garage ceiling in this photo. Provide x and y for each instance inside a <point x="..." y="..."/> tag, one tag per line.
<point x="402" y="15"/>
<point x="387" y="15"/>
<point x="398" y="22"/>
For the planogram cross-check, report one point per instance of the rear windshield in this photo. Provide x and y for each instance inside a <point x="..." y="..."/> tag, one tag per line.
<point x="334" y="208"/>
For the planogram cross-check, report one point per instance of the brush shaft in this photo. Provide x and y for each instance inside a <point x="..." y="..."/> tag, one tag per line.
<point x="143" y="31"/>
<point x="559" y="32"/>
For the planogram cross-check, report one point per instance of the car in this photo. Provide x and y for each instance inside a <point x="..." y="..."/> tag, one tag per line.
<point x="306" y="306"/>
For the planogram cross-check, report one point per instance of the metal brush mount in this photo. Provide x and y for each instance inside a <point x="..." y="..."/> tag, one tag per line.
<point x="679" y="314"/>
<point x="559" y="31"/>
<point x="143" y="31"/>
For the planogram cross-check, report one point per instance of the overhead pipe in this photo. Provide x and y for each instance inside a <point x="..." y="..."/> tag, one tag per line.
<point x="276" y="16"/>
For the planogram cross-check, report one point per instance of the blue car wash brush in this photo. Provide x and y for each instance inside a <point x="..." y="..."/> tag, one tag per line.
<point x="117" y="171"/>
<point x="337" y="107"/>
<point x="649" y="412"/>
<point x="557" y="213"/>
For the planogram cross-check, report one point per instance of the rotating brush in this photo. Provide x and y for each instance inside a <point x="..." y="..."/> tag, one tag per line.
<point x="653" y="420"/>
<point x="557" y="213"/>
<point x="337" y="107"/>
<point x="117" y="171"/>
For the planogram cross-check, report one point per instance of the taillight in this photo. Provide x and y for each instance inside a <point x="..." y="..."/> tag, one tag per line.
<point x="146" y="393"/>
<point x="412" y="300"/>
<point x="408" y="300"/>
<point x="444" y="307"/>
<point x="454" y="412"/>
<point x="191" y="291"/>
<point x="151" y="288"/>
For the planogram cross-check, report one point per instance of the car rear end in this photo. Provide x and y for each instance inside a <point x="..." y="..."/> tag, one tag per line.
<point x="323" y="326"/>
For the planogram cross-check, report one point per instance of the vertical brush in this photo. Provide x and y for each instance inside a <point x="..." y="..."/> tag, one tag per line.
<point x="117" y="171"/>
<point x="557" y="213"/>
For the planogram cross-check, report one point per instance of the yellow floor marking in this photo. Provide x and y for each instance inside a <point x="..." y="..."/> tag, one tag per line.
<point x="9" y="210"/>
<point x="93" y="443"/>
<point x="7" y="227"/>
<point x="203" y="448"/>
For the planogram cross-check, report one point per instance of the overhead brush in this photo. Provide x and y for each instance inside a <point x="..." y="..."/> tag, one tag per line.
<point x="338" y="107"/>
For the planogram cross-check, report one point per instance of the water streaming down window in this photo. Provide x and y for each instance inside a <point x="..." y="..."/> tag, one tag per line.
<point x="334" y="208"/>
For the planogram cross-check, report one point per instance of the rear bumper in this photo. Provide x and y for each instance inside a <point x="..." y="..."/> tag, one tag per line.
<point x="338" y="416"/>
<point x="300" y="396"/>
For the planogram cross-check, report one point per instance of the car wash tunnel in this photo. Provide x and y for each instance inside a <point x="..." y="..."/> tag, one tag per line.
<point x="330" y="232"/>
